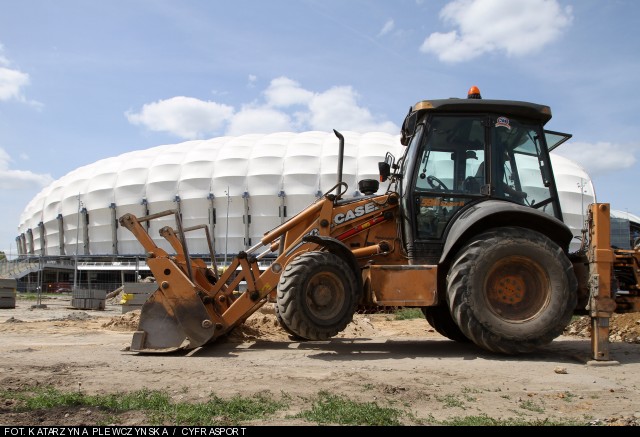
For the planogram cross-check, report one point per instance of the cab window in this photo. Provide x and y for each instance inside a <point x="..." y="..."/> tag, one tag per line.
<point x="522" y="173"/>
<point x="449" y="173"/>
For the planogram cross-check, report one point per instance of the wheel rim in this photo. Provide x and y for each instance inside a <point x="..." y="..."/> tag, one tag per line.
<point x="517" y="289"/>
<point x="325" y="295"/>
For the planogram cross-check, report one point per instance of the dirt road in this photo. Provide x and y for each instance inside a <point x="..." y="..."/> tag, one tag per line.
<point x="402" y="364"/>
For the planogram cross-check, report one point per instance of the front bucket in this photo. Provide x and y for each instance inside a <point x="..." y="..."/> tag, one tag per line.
<point x="170" y="322"/>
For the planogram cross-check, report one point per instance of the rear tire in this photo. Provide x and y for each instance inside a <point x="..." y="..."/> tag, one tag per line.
<point x="439" y="317"/>
<point x="317" y="295"/>
<point x="511" y="290"/>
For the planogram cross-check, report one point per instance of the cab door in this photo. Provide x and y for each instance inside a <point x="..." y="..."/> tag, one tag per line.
<point x="449" y="173"/>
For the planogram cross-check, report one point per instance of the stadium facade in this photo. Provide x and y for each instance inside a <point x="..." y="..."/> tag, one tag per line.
<point x="240" y="187"/>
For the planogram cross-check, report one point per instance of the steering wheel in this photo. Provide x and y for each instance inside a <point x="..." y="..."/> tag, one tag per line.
<point x="436" y="183"/>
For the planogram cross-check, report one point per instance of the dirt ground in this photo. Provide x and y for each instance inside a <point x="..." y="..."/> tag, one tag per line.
<point x="400" y="364"/>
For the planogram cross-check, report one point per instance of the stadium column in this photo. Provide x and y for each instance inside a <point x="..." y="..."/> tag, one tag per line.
<point x="23" y="243"/>
<point x="85" y="230"/>
<point x="60" y="234"/>
<point x="246" y="219"/>
<point x="43" y="243"/>
<point x="282" y="210"/>
<point x="114" y="229"/>
<point x="145" y="212"/>
<point x="212" y="222"/>
<point x="30" y="241"/>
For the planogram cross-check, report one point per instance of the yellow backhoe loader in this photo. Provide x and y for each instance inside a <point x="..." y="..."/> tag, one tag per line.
<point x="470" y="229"/>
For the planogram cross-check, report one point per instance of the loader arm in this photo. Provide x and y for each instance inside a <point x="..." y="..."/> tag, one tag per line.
<point x="134" y="225"/>
<point x="188" y="310"/>
<point x="201" y="273"/>
<point x="192" y="307"/>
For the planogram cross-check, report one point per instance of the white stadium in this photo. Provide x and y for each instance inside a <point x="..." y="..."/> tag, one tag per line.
<point x="240" y="187"/>
<point x="237" y="177"/>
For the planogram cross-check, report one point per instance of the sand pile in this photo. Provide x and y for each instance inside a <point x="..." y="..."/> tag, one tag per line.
<point x="263" y="325"/>
<point x="126" y="322"/>
<point x="622" y="327"/>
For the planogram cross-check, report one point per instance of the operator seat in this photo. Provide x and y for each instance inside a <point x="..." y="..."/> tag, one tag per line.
<point x="472" y="184"/>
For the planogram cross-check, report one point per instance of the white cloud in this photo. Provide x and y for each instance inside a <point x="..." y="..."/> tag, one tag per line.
<point x="252" y="80"/>
<point x="388" y="27"/>
<point x="283" y="92"/>
<point x="19" y="179"/>
<point x="11" y="84"/>
<point x="3" y="60"/>
<point x="485" y="26"/>
<point x="5" y="159"/>
<point x="286" y="107"/>
<point x="185" y="117"/>
<point x="259" y="120"/>
<point x="337" y="108"/>
<point x="600" y="158"/>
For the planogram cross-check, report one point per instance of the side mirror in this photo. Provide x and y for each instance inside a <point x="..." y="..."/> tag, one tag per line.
<point x="384" y="168"/>
<point x="385" y="171"/>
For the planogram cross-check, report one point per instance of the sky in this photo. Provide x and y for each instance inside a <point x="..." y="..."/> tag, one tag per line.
<point x="84" y="80"/>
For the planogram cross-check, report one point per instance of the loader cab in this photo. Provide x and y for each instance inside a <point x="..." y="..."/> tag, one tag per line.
<point x="461" y="153"/>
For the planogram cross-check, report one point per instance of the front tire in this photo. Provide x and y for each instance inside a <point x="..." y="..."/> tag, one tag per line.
<point x="439" y="317"/>
<point x="317" y="295"/>
<point x="511" y="290"/>
<point x="292" y="335"/>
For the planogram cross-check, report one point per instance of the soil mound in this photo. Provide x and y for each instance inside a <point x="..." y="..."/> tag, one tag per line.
<point x="263" y="325"/>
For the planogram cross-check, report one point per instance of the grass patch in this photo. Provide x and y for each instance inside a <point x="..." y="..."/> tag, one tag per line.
<point x="334" y="409"/>
<point x="326" y="409"/>
<point x="222" y="411"/>
<point x="28" y="296"/>
<point x="466" y="389"/>
<point x="139" y="400"/>
<point x="484" y="420"/>
<point x="531" y="406"/>
<point x="157" y="405"/>
<point x="34" y="296"/>
<point x="450" y="401"/>
<point x="408" y="314"/>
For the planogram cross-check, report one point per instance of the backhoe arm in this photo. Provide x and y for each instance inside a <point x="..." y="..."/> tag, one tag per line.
<point x="601" y="256"/>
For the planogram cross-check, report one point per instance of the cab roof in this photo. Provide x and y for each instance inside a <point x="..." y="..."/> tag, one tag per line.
<point x="534" y="111"/>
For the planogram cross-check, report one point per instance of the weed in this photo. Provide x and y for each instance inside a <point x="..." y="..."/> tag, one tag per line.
<point x="156" y="404"/>
<point x="484" y="420"/>
<point x="408" y="314"/>
<point x="334" y="409"/>
<point x="531" y="406"/>
<point x="450" y="401"/>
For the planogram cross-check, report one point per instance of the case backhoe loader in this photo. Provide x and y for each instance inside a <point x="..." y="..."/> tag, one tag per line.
<point x="470" y="230"/>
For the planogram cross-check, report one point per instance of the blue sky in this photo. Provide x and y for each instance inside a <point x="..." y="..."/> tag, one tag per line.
<point x="86" y="80"/>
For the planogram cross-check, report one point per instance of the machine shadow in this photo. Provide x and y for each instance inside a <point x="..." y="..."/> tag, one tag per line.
<point x="567" y="351"/>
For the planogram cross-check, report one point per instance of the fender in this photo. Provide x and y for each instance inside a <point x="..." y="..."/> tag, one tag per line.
<point x="337" y="247"/>
<point x="487" y="214"/>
